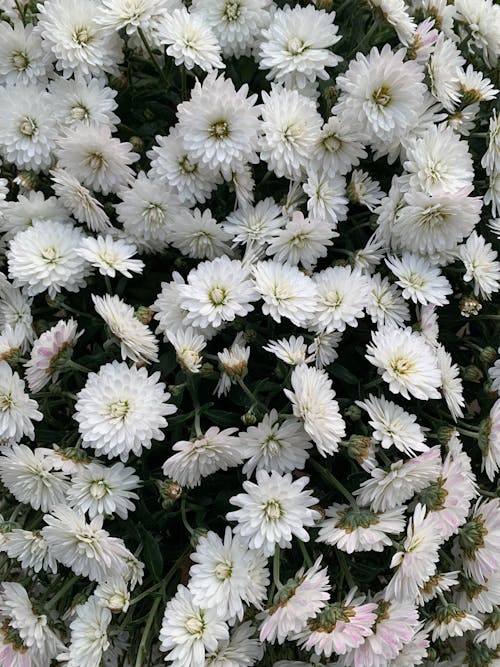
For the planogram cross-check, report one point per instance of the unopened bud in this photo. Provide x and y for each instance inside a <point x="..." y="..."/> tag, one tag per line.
<point x="359" y="448"/>
<point x="170" y="491"/>
<point x="324" y="4"/>
<point x="207" y="370"/>
<point x="196" y="535"/>
<point x="472" y="374"/>
<point x="488" y="355"/>
<point x="26" y="180"/>
<point x="353" y="413"/>
<point x="249" y="419"/>
<point x="144" y="314"/>
<point x="469" y="305"/>
<point x="330" y="94"/>
<point x="137" y="144"/>
<point x="176" y="389"/>
<point x="119" y="82"/>
<point x="444" y="434"/>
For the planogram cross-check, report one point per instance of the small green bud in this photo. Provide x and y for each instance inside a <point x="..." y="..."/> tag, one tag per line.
<point x="488" y="355"/>
<point x="444" y="434"/>
<point x="353" y="413"/>
<point x="196" y="535"/>
<point x="472" y="374"/>
<point x="137" y="144"/>
<point x="249" y="419"/>
<point x="144" y="314"/>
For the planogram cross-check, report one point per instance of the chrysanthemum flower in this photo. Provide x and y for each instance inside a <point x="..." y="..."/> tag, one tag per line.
<point x="420" y="281"/>
<point x="132" y="15"/>
<point x="17" y="410"/>
<point x="342" y="298"/>
<point x="47" y="350"/>
<point x="296" y="46"/>
<point x="89" y="634"/>
<point x="272" y="511"/>
<point x="481" y="265"/>
<point x="79" y="201"/>
<point x="406" y="361"/>
<point x="84" y="102"/>
<point x="31" y="550"/>
<point x="137" y="341"/>
<point x="44" y="258"/>
<point x="22" y="59"/>
<point x="313" y="401"/>
<point x="121" y="410"/>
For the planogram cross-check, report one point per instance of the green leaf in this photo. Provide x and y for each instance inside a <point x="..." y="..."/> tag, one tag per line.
<point x="151" y="553"/>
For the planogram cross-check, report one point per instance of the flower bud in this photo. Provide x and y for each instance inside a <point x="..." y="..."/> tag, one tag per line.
<point x="353" y="413"/>
<point x="488" y="355"/>
<point x="144" y="314"/>
<point x="472" y="374"/>
<point x="469" y="305"/>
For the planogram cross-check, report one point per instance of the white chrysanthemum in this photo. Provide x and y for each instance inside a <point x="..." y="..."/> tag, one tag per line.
<point x="27" y="131"/>
<point x="380" y="94"/>
<point x="338" y="149"/>
<point x="492" y="195"/>
<point x="295" y="603"/>
<point x="296" y="46"/>
<point x="439" y="162"/>
<point x="395" y="12"/>
<point x="200" y="236"/>
<point x="481" y="265"/>
<point x="416" y="562"/>
<point x="406" y="362"/>
<point x="292" y="351"/>
<point x="324" y="348"/>
<point x="370" y="255"/>
<point x="132" y="15"/>
<point x="291" y="127"/>
<point x="206" y="454"/>
<point x="188" y="345"/>
<point x="451" y="383"/>
<point x="286" y="292"/>
<point x="448" y="620"/>
<point x="98" y="489"/>
<point x="224" y="575"/>
<point x="363" y="190"/>
<point x="190" y="40"/>
<point x="386" y="305"/>
<point x="217" y="292"/>
<point x="84" y="102"/>
<point x="110" y="255"/>
<point x="44" y="258"/>
<point x="313" y="401"/>
<point x="113" y="594"/>
<point x="79" y="201"/>
<point x="236" y="23"/>
<point x="15" y="310"/>
<point x="31" y="625"/>
<point x="84" y="547"/>
<point x="342" y="297"/>
<point x="494" y="374"/>
<point x="387" y="489"/>
<point x="30" y="549"/>
<point x="220" y="125"/>
<point x="491" y="159"/>
<point x="30" y="478"/>
<point x="444" y="69"/>
<point x="255" y="224"/>
<point x="272" y="445"/>
<point x="339" y="627"/>
<point x="233" y="363"/>
<point x="351" y="528"/>
<point x="393" y="426"/>
<point x="172" y="165"/>
<point x="423" y="41"/>
<point x="475" y="86"/>
<point x="188" y="631"/>
<point x="420" y="281"/>
<point x="89" y="634"/>
<point x="435" y="223"/>
<point x="47" y="350"/>
<point x="327" y="200"/>
<point x="121" y="410"/>
<point x="272" y="511"/>
<point x="17" y="410"/>
<point x="13" y="342"/>
<point x="482" y="20"/>
<point x="480" y="540"/>
<point x="71" y="34"/>
<point x="22" y="59"/>
<point x="149" y="211"/>
<point x="301" y="241"/>
<point x="136" y="340"/>
<point x="441" y="582"/>
<point x="242" y="649"/>
<point x="98" y="160"/>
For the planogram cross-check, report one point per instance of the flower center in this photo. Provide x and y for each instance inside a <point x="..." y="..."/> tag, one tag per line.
<point x="154" y="214"/>
<point x="119" y="409"/>
<point x="296" y="46"/>
<point x="272" y="445"/>
<point x="98" y="489"/>
<point x="219" y="129"/>
<point x="217" y="296"/>
<point x="186" y="165"/>
<point x="195" y="625"/>
<point x="273" y="510"/>
<point x="19" y="61"/>
<point x="402" y="366"/>
<point x="81" y="36"/>
<point x="80" y="112"/>
<point x="232" y="10"/>
<point x="381" y="96"/>
<point x="223" y="570"/>
<point x="28" y="127"/>
<point x="332" y="143"/>
<point x="6" y="402"/>
<point x="96" y="161"/>
<point x="50" y="255"/>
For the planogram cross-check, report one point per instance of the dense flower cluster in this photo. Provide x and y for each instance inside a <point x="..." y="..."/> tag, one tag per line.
<point x="249" y="333"/>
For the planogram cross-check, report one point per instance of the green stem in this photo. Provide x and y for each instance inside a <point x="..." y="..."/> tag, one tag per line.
<point x="144" y="594"/>
<point x="186" y="523"/>
<point x="345" y="568"/>
<point x="276" y="567"/>
<point x="196" y="404"/>
<point x="255" y="401"/>
<point x="384" y="457"/>
<point x="328" y="477"/>
<point x="141" y="652"/>
<point x="61" y="592"/>
<point x="153" y="57"/>
<point x="305" y="555"/>
<point x="466" y="431"/>
<point x="76" y="366"/>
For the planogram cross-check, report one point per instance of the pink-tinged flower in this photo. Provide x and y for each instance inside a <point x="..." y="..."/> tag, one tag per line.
<point x="339" y="627"/>
<point x="46" y="352"/>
